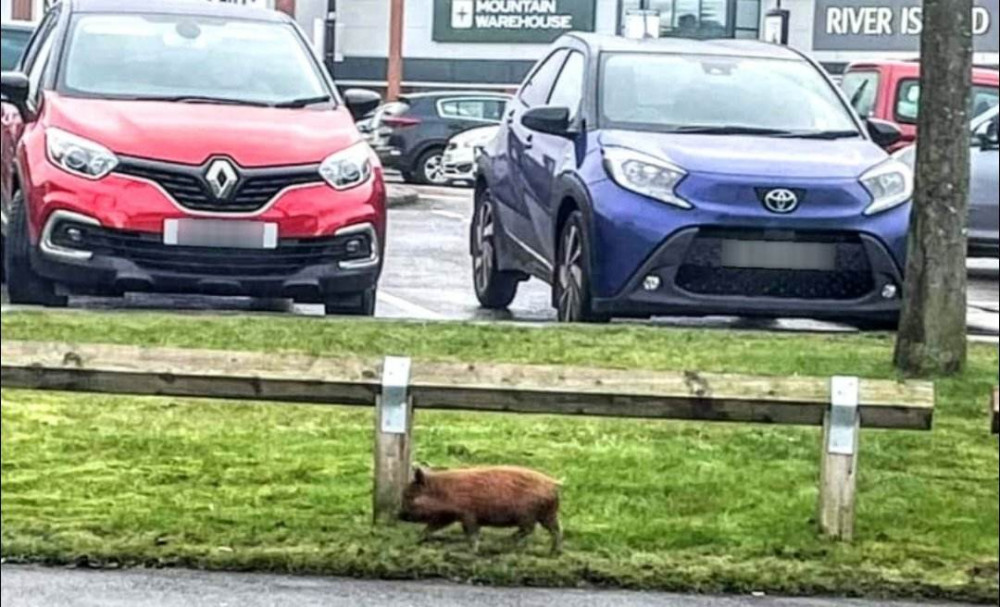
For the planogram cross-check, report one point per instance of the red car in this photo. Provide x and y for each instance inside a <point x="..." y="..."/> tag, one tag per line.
<point x="890" y="90"/>
<point x="185" y="148"/>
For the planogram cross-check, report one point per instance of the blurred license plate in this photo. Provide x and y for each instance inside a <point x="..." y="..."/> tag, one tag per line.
<point x="763" y="255"/>
<point x="220" y="234"/>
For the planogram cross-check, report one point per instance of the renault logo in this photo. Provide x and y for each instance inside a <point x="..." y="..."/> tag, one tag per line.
<point x="222" y="178"/>
<point x="781" y="201"/>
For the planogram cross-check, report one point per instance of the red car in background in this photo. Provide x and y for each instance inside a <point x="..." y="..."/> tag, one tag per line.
<point x="185" y="148"/>
<point x="890" y="90"/>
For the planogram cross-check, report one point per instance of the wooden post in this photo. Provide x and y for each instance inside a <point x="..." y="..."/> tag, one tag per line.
<point x="995" y="409"/>
<point x="839" y="469"/>
<point x="393" y="427"/>
<point x="395" y="67"/>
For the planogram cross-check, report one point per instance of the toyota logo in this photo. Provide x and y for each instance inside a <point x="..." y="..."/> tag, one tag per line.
<point x="781" y="201"/>
<point x="221" y="178"/>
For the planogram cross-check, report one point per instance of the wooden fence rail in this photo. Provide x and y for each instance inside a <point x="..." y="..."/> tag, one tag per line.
<point x="397" y="387"/>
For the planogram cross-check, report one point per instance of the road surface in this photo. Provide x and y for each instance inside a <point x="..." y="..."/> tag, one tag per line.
<point x="33" y="587"/>
<point x="428" y="276"/>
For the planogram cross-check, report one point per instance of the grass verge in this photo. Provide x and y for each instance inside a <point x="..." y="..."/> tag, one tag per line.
<point x="648" y="505"/>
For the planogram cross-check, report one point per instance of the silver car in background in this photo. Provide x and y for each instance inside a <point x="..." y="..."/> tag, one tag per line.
<point x="984" y="214"/>
<point x="463" y="151"/>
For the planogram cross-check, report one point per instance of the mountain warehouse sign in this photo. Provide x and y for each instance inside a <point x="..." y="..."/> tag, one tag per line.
<point x="891" y="25"/>
<point x="510" y="21"/>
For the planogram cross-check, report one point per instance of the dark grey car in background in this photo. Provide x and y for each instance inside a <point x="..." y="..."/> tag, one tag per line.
<point x="13" y="40"/>
<point x="411" y="135"/>
<point x="984" y="214"/>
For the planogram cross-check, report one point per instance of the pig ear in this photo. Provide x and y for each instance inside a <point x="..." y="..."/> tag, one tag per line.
<point x="419" y="476"/>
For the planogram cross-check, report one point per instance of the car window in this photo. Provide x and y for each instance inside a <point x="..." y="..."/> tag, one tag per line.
<point x="568" y="91"/>
<point x="41" y="61"/>
<point x="137" y="56"/>
<point x="38" y="40"/>
<point x="862" y="89"/>
<point x="984" y="99"/>
<point x="536" y="90"/>
<point x="12" y="45"/>
<point x="472" y="109"/>
<point x="686" y="92"/>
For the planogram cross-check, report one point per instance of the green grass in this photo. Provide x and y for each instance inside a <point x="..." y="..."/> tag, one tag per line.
<point x="650" y="505"/>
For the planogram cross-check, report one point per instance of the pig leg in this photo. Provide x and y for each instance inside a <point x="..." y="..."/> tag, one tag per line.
<point x="471" y="527"/>
<point x="524" y="531"/>
<point x="433" y="528"/>
<point x="551" y="524"/>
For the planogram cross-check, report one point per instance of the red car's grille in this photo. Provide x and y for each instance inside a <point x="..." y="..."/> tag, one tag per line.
<point x="188" y="185"/>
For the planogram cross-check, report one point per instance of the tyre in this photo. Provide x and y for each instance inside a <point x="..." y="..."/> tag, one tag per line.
<point x="495" y="289"/>
<point x="572" y="286"/>
<point x="360" y="304"/>
<point x="429" y="169"/>
<point x="24" y="286"/>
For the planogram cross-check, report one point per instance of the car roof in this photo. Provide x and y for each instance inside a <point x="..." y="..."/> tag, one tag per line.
<point x="20" y="26"/>
<point x="456" y="94"/>
<point x="911" y="68"/>
<point x="684" y="46"/>
<point x="195" y="8"/>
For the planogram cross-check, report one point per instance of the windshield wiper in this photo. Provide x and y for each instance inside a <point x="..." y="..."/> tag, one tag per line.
<point x="301" y="103"/>
<point x="826" y="135"/>
<point x="206" y="100"/>
<point x="729" y="130"/>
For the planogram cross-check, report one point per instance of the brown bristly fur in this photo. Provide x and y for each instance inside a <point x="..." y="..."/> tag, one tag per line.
<point x="484" y="497"/>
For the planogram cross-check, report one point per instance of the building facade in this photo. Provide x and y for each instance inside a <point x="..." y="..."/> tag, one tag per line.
<point x="493" y="43"/>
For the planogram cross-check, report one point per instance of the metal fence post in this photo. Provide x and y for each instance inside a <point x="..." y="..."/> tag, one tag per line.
<point x="393" y="427"/>
<point x="839" y="473"/>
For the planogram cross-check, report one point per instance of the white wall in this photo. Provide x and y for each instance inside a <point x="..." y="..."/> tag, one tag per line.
<point x="5" y="9"/>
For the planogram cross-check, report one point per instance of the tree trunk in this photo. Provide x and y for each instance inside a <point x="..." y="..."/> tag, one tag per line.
<point x="932" y="333"/>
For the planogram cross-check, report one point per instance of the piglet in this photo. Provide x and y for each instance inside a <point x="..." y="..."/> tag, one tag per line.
<point x="504" y="497"/>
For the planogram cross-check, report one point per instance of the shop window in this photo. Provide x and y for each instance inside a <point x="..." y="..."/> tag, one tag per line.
<point x="702" y="19"/>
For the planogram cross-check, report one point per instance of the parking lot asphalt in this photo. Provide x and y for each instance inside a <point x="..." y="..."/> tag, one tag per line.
<point x="428" y="276"/>
<point x="34" y="587"/>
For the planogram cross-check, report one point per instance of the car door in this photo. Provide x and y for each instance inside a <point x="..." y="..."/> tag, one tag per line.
<point x="984" y="214"/>
<point x="514" y="211"/>
<point x="547" y="155"/>
<point x="12" y="125"/>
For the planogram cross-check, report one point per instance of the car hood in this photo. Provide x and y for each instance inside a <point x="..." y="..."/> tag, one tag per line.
<point x="754" y="155"/>
<point x="189" y="133"/>
<point x="477" y="136"/>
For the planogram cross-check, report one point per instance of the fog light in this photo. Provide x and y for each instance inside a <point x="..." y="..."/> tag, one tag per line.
<point x="75" y="235"/>
<point x="652" y="283"/>
<point x="355" y="246"/>
<point x="890" y="291"/>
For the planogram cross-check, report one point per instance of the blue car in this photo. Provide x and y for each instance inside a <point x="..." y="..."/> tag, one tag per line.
<point x="677" y="177"/>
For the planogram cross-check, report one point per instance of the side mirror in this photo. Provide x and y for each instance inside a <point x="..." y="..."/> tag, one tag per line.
<point x="885" y="134"/>
<point x="361" y="102"/>
<point x="548" y="120"/>
<point x="14" y="87"/>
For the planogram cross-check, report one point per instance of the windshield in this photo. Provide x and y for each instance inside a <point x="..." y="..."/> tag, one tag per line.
<point x="687" y="93"/>
<point x="177" y="57"/>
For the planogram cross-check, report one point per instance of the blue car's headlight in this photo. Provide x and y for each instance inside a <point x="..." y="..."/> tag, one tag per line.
<point x="890" y="185"/>
<point x="645" y="175"/>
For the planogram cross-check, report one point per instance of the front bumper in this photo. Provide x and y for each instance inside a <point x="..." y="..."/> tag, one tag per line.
<point x="107" y="262"/>
<point x="984" y="244"/>
<point x="667" y="285"/>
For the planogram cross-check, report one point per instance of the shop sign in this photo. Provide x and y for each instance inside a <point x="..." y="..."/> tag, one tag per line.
<point x="891" y="25"/>
<point x="510" y="21"/>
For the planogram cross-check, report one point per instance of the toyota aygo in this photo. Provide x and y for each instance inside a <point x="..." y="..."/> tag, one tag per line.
<point x="678" y="177"/>
<point x="184" y="147"/>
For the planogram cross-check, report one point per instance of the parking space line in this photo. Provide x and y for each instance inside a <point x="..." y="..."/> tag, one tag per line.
<point x="409" y="308"/>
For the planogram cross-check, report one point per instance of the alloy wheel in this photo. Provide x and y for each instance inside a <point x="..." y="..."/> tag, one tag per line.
<point x="484" y="254"/>
<point x="571" y="276"/>
<point x="434" y="170"/>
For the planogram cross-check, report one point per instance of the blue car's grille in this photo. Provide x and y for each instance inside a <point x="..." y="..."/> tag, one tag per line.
<point x="704" y="271"/>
